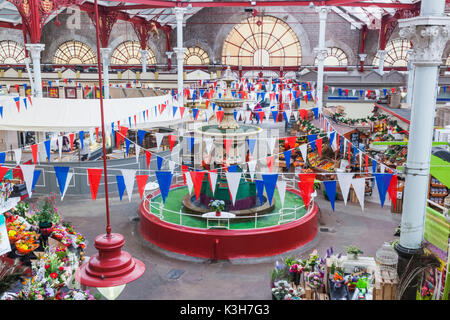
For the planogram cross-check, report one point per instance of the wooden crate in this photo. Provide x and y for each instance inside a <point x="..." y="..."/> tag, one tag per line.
<point x="385" y="288"/>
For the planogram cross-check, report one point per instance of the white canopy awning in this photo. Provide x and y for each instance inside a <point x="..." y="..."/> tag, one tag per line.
<point x="47" y="114"/>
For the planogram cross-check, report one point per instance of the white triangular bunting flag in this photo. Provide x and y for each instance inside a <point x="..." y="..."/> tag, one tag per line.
<point x="295" y="115"/>
<point x="233" y="179"/>
<point x="359" y="186"/>
<point x="304" y="150"/>
<point x="171" y="165"/>
<point x="345" y="179"/>
<point x="189" y="182"/>
<point x="251" y="168"/>
<point x="360" y="161"/>
<point x="213" y="181"/>
<point x="267" y="113"/>
<point x="159" y="137"/>
<point x="382" y="168"/>
<point x="60" y="146"/>
<point x="18" y="155"/>
<point x="138" y="150"/>
<point x="128" y="177"/>
<point x="208" y="144"/>
<point x="28" y="175"/>
<point x="288" y="114"/>
<point x="69" y="177"/>
<point x="281" y="184"/>
<point x="271" y="144"/>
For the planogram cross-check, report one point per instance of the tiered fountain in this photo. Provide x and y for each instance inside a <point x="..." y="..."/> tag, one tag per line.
<point x="247" y="202"/>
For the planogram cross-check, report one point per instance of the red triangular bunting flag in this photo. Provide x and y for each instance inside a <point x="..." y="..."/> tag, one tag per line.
<point x="197" y="180"/>
<point x="306" y="186"/>
<point x="319" y="146"/>
<point x="392" y="190"/>
<point x="141" y="180"/>
<point x="94" y="177"/>
<point x="182" y="112"/>
<point x="172" y="140"/>
<point x="3" y="171"/>
<point x="270" y="162"/>
<point x="184" y="168"/>
<point x="34" y="151"/>
<point x="219" y="115"/>
<point x="96" y="132"/>
<point x="71" y="137"/>
<point x="148" y="156"/>
<point x="227" y="143"/>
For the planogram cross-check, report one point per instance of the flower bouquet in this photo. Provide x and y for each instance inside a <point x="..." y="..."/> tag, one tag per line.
<point x="23" y="247"/>
<point x="58" y="232"/>
<point x="296" y="271"/>
<point x="217" y="205"/>
<point x="14" y="235"/>
<point x="314" y="280"/>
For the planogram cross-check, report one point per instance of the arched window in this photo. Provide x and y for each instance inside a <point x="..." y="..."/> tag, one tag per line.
<point x="74" y="52"/>
<point x="195" y="56"/>
<point x="262" y="41"/>
<point x="129" y="52"/>
<point x="11" y="52"/>
<point x="335" y="57"/>
<point x="396" y="54"/>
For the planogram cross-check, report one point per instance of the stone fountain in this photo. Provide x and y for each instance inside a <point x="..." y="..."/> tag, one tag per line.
<point x="247" y="202"/>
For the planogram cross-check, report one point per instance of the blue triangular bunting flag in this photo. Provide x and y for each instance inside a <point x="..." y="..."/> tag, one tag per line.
<point x="141" y="135"/>
<point x="260" y="190"/>
<point x="36" y="175"/>
<point x="330" y="187"/>
<point x="127" y="145"/>
<point x="120" y="185"/>
<point x="312" y="139"/>
<point x="383" y="180"/>
<point x="159" y="162"/>
<point x="270" y="181"/>
<point x="81" y="134"/>
<point x="316" y="112"/>
<point x="47" y="148"/>
<point x="287" y="158"/>
<point x="164" y="180"/>
<point x="251" y="145"/>
<point x="2" y="157"/>
<point x="61" y="176"/>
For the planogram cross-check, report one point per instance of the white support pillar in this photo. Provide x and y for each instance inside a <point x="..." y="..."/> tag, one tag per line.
<point x="179" y="50"/>
<point x="382" y="55"/>
<point x="362" y="59"/>
<point x="169" y="59"/>
<point x="105" y="53"/>
<point x="35" y="52"/>
<point x="410" y="84"/>
<point x="429" y="33"/>
<point x="321" y="52"/>
<point x="144" y="60"/>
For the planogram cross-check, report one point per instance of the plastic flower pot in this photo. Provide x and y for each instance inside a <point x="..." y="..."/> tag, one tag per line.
<point x="45" y="228"/>
<point x="217" y="213"/>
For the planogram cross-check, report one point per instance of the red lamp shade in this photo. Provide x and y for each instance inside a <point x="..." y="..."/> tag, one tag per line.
<point x="110" y="266"/>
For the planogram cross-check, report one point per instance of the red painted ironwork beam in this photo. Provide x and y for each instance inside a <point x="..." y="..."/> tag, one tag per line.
<point x="149" y="4"/>
<point x="9" y="25"/>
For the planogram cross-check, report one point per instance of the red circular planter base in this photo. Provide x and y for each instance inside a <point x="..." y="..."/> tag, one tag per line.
<point x="228" y="244"/>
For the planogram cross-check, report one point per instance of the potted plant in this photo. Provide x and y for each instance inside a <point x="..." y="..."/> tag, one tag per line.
<point x="217" y="205"/>
<point x="46" y="215"/>
<point x="353" y="252"/>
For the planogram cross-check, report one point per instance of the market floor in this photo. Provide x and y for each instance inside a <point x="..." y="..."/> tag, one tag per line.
<point x="170" y="277"/>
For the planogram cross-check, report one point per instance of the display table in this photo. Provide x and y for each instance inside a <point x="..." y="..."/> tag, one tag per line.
<point x="223" y="216"/>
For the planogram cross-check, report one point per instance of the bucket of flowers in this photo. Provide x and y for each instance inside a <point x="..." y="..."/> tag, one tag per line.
<point x="217" y="205"/>
<point x="296" y="271"/>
